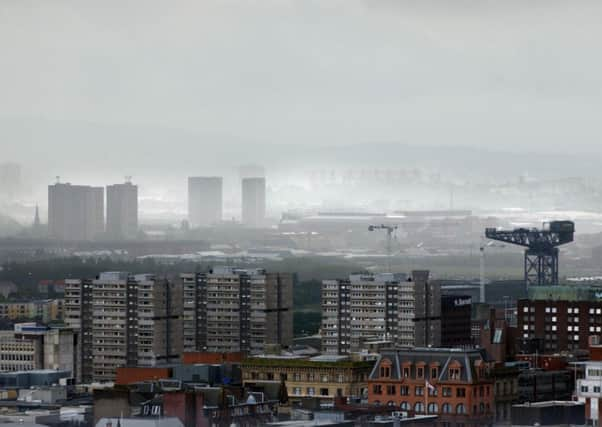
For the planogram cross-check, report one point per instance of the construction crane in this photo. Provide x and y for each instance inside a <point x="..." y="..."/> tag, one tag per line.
<point x="482" y="268"/>
<point x="541" y="255"/>
<point x="390" y="230"/>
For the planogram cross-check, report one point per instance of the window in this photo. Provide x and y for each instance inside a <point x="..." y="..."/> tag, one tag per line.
<point x="434" y="373"/>
<point x="433" y="408"/>
<point x="446" y="408"/>
<point x="391" y="389"/>
<point x="419" y="391"/>
<point x="296" y="376"/>
<point x="405" y="406"/>
<point x="406" y="372"/>
<point x="460" y="409"/>
<point x="596" y="389"/>
<point x="377" y="389"/>
<point x="404" y="390"/>
<point x="419" y="407"/>
<point x="385" y="371"/>
<point x="269" y="376"/>
<point x="297" y="391"/>
<point x="584" y="389"/>
<point x="432" y="391"/>
<point x="323" y="392"/>
<point x="420" y="372"/>
<point x="482" y="408"/>
<point x="324" y="378"/>
<point x="446" y="391"/>
<point x="460" y="392"/>
<point x="454" y="373"/>
<point x="311" y="391"/>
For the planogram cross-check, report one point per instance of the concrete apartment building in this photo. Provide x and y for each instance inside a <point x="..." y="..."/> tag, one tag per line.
<point x="122" y="211"/>
<point x="253" y="201"/>
<point x="30" y="346"/>
<point x="205" y="200"/>
<point x="123" y="320"/>
<point x="75" y="212"/>
<point x="367" y="307"/>
<point x="237" y="310"/>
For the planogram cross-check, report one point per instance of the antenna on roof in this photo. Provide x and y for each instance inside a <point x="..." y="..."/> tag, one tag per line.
<point x="128" y="179"/>
<point x="58" y="179"/>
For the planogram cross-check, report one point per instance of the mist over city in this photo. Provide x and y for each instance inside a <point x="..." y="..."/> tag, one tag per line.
<point x="300" y="213"/>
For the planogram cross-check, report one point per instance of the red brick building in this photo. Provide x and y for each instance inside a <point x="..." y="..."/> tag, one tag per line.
<point x="452" y="383"/>
<point x="559" y="325"/>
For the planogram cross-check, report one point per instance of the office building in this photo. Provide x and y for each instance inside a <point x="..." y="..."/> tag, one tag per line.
<point x="75" y="212"/>
<point x="367" y="307"/>
<point x="451" y="383"/>
<point x="253" y="201"/>
<point x="205" y="200"/>
<point x="122" y="211"/>
<point x="123" y="320"/>
<point x="456" y="321"/>
<point x="320" y="377"/>
<point x="560" y="318"/>
<point x="588" y="390"/>
<point x="230" y="310"/>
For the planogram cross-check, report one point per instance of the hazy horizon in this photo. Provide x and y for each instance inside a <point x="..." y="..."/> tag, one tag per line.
<point x="510" y="77"/>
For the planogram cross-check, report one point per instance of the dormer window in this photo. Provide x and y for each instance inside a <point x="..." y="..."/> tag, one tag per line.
<point x="434" y="372"/>
<point x="406" y="372"/>
<point x="385" y="369"/>
<point x="454" y="373"/>
<point x="420" y="372"/>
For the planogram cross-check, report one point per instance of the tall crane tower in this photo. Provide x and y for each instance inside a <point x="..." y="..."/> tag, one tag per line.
<point x="390" y="230"/>
<point x="541" y="255"/>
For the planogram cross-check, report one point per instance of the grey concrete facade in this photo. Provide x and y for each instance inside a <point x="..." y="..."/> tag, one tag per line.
<point x="237" y="310"/>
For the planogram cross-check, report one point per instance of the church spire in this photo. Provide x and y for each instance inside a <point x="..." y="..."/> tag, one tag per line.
<point x="36" y="219"/>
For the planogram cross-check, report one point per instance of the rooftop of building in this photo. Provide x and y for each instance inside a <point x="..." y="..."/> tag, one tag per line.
<point x="549" y="404"/>
<point x="441" y="357"/>
<point x="300" y="362"/>
<point x="565" y="293"/>
<point x="140" y="422"/>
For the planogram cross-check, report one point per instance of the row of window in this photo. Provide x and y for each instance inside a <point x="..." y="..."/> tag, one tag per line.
<point x="585" y="389"/>
<point x="391" y="390"/>
<point x="570" y="310"/>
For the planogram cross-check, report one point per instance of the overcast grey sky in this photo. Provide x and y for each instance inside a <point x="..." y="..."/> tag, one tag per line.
<point x="499" y="74"/>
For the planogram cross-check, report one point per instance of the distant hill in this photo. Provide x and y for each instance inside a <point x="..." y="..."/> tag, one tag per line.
<point x="72" y="147"/>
